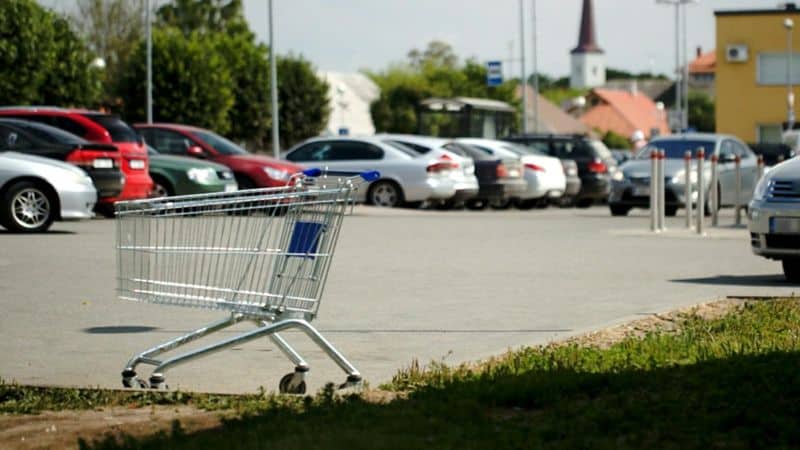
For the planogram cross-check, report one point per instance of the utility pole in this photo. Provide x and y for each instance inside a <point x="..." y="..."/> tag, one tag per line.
<point x="685" y="115"/>
<point x="523" y="82"/>
<point x="681" y="73"/>
<point x="149" y="32"/>
<point x="790" y="119"/>
<point x="535" y="68"/>
<point x="273" y="78"/>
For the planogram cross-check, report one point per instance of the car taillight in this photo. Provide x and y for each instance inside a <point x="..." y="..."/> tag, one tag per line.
<point x="534" y="167"/>
<point x="447" y="157"/>
<point x="598" y="166"/>
<point x="502" y="172"/>
<point x="441" y="166"/>
<point x="136" y="164"/>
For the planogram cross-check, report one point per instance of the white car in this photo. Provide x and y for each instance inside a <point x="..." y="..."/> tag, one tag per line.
<point x="466" y="183"/>
<point x="406" y="177"/>
<point x="35" y="191"/>
<point x="544" y="174"/>
<point x="774" y="215"/>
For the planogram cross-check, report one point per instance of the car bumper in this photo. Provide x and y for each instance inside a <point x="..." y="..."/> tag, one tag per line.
<point x="190" y="188"/>
<point x="540" y="185"/>
<point x="625" y="193"/>
<point x="466" y="189"/>
<point x="439" y="189"/>
<point x="502" y="190"/>
<point x="77" y="201"/>
<point x="774" y="229"/>
<point x="109" y="183"/>
<point x="138" y="184"/>
<point x="573" y="187"/>
<point x="595" y="188"/>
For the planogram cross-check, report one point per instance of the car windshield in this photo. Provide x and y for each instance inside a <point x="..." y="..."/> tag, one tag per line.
<point x="676" y="148"/>
<point x="117" y="129"/>
<point x="601" y="150"/>
<point x="402" y="147"/>
<point x="219" y="143"/>
<point x="51" y="134"/>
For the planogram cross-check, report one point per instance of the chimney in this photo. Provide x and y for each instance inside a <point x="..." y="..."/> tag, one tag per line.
<point x="699" y="51"/>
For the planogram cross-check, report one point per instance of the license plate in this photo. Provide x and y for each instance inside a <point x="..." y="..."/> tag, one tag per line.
<point x="103" y="163"/>
<point x="137" y="164"/>
<point x="231" y="188"/>
<point x="789" y="225"/>
<point x="641" y="191"/>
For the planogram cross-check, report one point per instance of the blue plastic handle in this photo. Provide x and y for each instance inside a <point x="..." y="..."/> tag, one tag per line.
<point x="371" y="175"/>
<point x="313" y="172"/>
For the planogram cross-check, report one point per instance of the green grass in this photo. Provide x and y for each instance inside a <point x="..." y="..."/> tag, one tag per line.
<point x="733" y="382"/>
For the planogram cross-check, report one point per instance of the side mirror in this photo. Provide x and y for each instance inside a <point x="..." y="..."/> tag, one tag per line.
<point x="196" y="151"/>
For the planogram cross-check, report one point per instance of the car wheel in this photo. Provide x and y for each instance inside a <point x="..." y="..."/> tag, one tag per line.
<point x="619" y="210"/>
<point x="525" y="205"/>
<point x="500" y="203"/>
<point x="670" y="211"/>
<point x="584" y="203"/>
<point x="412" y="205"/>
<point x="791" y="269"/>
<point x="386" y="194"/>
<point x="161" y="188"/>
<point x="476" y="204"/>
<point x="27" y="208"/>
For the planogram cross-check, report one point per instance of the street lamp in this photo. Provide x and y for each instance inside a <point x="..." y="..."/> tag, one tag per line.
<point x="149" y="88"/>
<point x="681" y="75"/>
<point x="789" y="25"/>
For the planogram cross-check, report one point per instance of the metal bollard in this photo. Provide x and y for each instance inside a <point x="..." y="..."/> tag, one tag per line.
<point x="687" y="163"/>
<point x="760" y="169"/>
<point x="661" y="200"/>
<point x="738" y="202"/>
<point x="653" y="187"/>
<point x="701" y="156"/>
<point x="713" y="202"/>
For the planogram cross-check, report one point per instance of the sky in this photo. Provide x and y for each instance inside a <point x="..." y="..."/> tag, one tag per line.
<point x="350" y="35"/>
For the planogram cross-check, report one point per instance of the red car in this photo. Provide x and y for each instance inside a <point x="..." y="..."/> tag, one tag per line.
<point x="101" y="128"/>
<point x="251" y="170"/>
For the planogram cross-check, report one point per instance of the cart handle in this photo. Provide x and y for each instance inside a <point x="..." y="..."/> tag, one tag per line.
<point x="368" y="176"/>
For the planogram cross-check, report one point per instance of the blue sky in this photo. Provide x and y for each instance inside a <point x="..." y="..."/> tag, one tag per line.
<point x="347" y="35"/>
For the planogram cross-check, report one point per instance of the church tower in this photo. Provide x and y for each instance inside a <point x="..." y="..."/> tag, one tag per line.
<point x="588" y="62"/>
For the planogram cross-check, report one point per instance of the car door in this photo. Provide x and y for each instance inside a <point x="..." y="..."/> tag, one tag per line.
<point x="167" y="142"/>
<point x="749" y="171"/>
<point x="726" y="172"/>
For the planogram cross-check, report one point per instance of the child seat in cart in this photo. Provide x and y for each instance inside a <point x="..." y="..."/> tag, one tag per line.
<point x="261" y="255"/>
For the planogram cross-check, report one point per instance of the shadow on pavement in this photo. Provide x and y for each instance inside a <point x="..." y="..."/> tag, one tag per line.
<point x="119" y="329"/>
<point x="739" y="280"/>
<point x="6" y="232"/>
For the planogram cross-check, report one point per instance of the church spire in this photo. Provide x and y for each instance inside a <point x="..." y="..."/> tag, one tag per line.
<point x="587" y="42"/>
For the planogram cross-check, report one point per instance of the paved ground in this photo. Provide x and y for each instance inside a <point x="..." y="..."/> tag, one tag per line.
<point x="453" y="286"/>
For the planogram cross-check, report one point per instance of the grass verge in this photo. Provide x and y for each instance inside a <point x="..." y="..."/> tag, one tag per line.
<point x="731" y="382"/>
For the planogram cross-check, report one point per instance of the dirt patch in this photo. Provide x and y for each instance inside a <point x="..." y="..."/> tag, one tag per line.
<point x="62" y="429"/>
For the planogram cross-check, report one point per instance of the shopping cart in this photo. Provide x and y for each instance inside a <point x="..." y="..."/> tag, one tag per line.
<point x="262" y="255"/>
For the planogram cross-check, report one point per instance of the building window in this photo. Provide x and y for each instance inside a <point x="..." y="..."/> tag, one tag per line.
<point x="770" y="134"/>
<point x="771" y="68"/>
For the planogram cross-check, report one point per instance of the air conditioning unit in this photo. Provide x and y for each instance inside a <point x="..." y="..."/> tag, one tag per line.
<point x="736" y="53"/>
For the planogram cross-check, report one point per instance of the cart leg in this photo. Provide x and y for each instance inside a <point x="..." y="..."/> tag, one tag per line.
<point x="292" y="382"/>
<point x="146" y="357"/>
<point x="353" y="375"/>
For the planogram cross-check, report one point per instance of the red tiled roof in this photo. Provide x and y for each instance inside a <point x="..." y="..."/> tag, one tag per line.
<point x="624" y="112"/>
<point x="705" y="63"/>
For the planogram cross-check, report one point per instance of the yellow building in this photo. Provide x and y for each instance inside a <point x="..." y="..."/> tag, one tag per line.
<point x="751" y="71"/>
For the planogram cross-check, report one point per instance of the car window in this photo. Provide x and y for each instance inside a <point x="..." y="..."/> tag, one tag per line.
<point x="354" y="150"/>
<point x="522" y="150"/>
<point x="52" y="134"/>
<point x="219" y="143"/>
<point x="117" y="129"/>
<point x="403" y="148"/>
<point x="11" y="139"/>
<point x="458" y="149"/>
<point x="741" y="150"/>
<point x="676" y="148"/>
<point x="420" y="149"/>
<point x="600" y="150"/>
<point x="727" y="150"/>
<point x="314" y="151"/>
<point x="567" y="149"/>
<point x="167" y="141"/>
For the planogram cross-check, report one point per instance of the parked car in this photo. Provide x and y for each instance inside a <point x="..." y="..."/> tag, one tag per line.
<point x="466" y="183"/>
<point x="100" y="128"/>
<point x="595" y="163"/>
<point x="774" y="215"/>
<point x="776" y="153"/>
<point x="101" y="161"/>
<point x="406" y="177"/>
<point x="631" y="187"/>
<point x="35" y="191"/>
<point x="250" y="170"/>
<point x="178" y="175"/>
<point x="543" y="174"/>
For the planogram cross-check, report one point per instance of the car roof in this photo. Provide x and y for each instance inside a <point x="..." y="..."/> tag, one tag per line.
<point x="170" y="126"/>
<point x="51" y="109"/>
<point x="370" y="139"/>
<point x="694" y="137"/>
<point x="416" y="139"/>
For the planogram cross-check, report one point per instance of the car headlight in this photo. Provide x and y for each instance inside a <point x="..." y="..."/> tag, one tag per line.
<point x="761" y="189"/>
<point x="618" y="176"/>
<point x="277" y="174"/>
<point x="680" y="177"/>
<point x="201" y="175"/>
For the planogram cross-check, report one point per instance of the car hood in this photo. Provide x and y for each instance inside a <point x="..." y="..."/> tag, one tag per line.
<point x="266" y="161"/>
<point x="38" y="160"/>
<point x="182" y="163"/>
<point x="640" y="168"/>
<point x="789" y="169"/>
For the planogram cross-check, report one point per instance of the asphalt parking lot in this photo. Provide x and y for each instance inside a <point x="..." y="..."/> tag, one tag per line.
<point x="446" y="286"/>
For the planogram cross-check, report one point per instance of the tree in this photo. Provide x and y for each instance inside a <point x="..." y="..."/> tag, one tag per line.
<point x="113" y="29"/>
<point x="192" y="84"/>
<point x="44" y="61"/>
<point x="616" y="141"/>
<point x="303" y="100"/>
<point x="701" y="112"/>
<point x="437" y="53"/>
<point x="205" y="16"/>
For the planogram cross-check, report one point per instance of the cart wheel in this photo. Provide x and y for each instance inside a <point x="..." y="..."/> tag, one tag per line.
<point x="285" y="385"/>
<point x="135" y="383"/>
<point x="353" y="381"/>
<point x="158" y="382"/>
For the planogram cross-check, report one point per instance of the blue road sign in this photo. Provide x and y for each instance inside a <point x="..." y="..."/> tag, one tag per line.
<point x="494" y="73"/>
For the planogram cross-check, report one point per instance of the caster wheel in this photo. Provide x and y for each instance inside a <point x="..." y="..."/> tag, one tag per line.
<point x="158" y="382"/>
<point x="353" y="381"/>
<point x="287" y="387"/>
<point x="135" y="383"/>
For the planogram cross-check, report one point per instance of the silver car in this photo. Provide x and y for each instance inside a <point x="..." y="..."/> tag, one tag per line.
<point x="774" y="217"/>
<point x="630" y="186"/>
<point x="406" y="177"/>
<point x="35" y="191"/>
